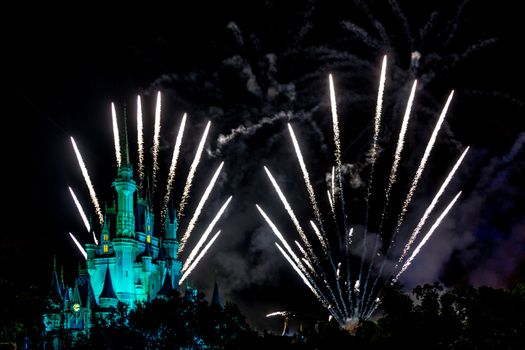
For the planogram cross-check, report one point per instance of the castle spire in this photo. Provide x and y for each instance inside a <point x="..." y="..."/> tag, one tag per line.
<point x="216" y="297"/>
<point x="107" y="290"/>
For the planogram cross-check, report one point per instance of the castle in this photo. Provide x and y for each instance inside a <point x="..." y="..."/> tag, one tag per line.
<point x="128" y="263"/>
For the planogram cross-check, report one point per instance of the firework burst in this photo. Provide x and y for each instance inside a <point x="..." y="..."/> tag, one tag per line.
<point x="345" y="289"/>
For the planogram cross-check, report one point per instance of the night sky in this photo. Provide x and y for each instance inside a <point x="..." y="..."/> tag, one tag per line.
<point x="250" y="64"/>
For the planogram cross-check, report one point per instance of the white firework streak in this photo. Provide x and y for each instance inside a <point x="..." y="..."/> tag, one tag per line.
<point x="277" y="313"/>
<point x="399" y="149"/>
<point x="87" y="179"/>
<point x="199" y="257"/>
<point x="193" y="169"/>
<point x="335" y="121"/>
<point x="140" y="141"/>
<point x="116" y="135"/>
<point x="427" y="236"/>
<point x="173" y="167"/>
<point x="306" y="176"/>
<point x="318" y="294"/>
<point x="330" y="201"/>
<point x="95" y="238"/>
<point x="377" y="125"/>
<point x="156" y="140"/>
<point x="307" y="263"/>
<point x="422" y="164"/>
<point x="333" y="185"/>
<point x="322" y="239"/>
<point x="279" y="235"/>
<point x="430" y="208"/>
<point x="301" y="249"/>
<point x="291" y="214"/>
<point x="198" y="210"/>
<point x="79" y="246"/>
<point x="80" y="210"/>
<point x="205" y="235"/>
<point x="356" y="287"/>
<point x="349" y="239"/>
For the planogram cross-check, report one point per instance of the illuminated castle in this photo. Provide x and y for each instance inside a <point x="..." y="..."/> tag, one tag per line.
<point x="129" y="262"/>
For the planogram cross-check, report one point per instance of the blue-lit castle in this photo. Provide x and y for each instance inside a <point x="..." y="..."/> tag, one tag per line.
<point x="129" y="262"/>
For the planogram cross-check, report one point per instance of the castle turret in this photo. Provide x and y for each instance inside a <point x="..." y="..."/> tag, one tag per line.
<point x="171" y="246"/>
<point x="216" y="296"/>
<point x="107" y="297"/>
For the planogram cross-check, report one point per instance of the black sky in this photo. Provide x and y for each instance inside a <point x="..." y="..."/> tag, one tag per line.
<point x="62" y="72"/>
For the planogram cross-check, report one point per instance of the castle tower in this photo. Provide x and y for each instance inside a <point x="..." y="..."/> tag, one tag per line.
<point x="107" y="297"/>
<point x="171" y="246"/>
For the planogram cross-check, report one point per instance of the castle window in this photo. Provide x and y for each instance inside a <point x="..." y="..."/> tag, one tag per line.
<point x="148" y="238"/>
<point x="149" y="228"/>
<point x="106" y="237"/>
<point x="106" y="248"/>
<point x="126" y="273"/>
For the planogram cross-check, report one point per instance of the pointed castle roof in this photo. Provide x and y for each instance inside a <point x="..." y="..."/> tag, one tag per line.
<point x="216" y="297"/>
<point x="167" y="287"/>
<point x="107" y="289"/>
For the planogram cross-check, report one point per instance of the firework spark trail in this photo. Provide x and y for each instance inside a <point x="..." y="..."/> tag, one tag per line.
<point x="95" y="238"/>
<point x="116" y="135"/>
<point x="430" y="208"/>
<point x="337" y="142"/>
<point x="278" y="233"/>
<point x="301" y="249"/>
<point x="427" y="236"/>
<point x="156" y="140"/>
<point x="277" y="313"/>
<point x="199" y="257"/>
<point x="198" y="210"/>
<point x="397" y="156"/>
<point x="87" y="179"/>
<point x="80" y="210"/>
<point x="140" y="142"/>
<point x="292" y="215"/>
<point x="173" y="167"/>
<point x="330" y="200"/>
<point x="312" y="270"/>
<point x="421" y="166"/>
<point x="413" y="186"/>
<point x="205" y="235"/>
<point x="283" y="241"/>
<point x="373" y="151"/>
<point x="79" y="246"/>
<point x="306" y="176"/>
<point x="193" y="169"/>
<point x="318" y="294"/>
<point x="333" y="187"/>
<point x="392" y="179"/>
<point x="321" y="238"/>
<point x="312" y="256"/>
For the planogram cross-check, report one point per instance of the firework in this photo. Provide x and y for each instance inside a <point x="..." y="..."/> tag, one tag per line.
<point x="327" y="284"/>
<point x="193" y="169"/>
<point x="116" y="135"/>
<point x="87" y="179"/>
<point x="173" y="167"/>
<point x="427" y="236"/>
<point x="156" y="140"/>
<point x="80" y="210"/>
<point x="199" y="257"/>
<point x="205" y="235"/>
<point x="140" y="142"/>
<point x="79" y="246"/>
<point x="198" y="210"/>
